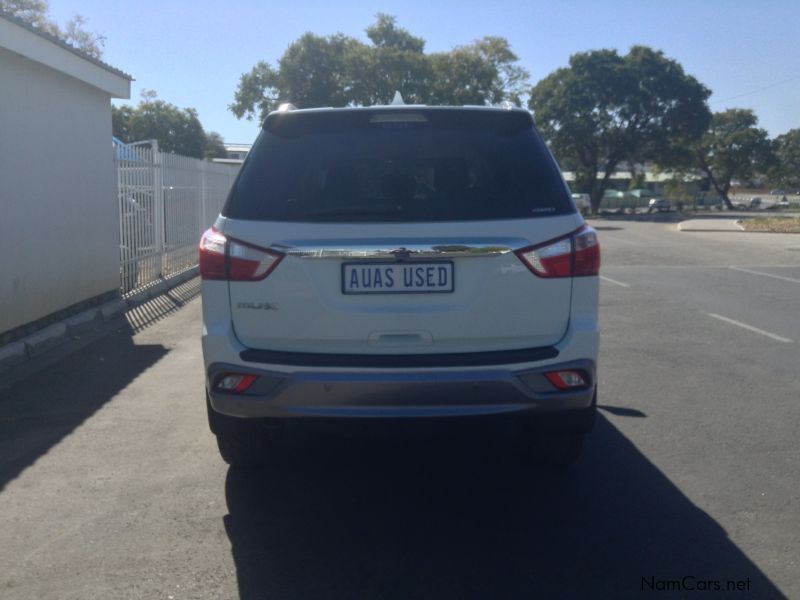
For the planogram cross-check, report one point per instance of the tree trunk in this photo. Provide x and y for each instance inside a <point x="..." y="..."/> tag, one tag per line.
<point x="595" y="202"/>
<point x="586" y="181"/>
<point x="599" y="188"/>
<point x="722" y="190"/>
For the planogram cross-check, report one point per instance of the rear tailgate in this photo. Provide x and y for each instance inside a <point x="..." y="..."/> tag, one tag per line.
<point x="468" y="291"/>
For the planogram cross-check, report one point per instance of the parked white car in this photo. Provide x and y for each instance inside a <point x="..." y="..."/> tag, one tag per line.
<point x="400" y="262"/>
<point x="583" y="202"/>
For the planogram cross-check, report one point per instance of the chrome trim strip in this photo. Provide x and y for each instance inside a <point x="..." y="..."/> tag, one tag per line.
<point x="401" y="249"/>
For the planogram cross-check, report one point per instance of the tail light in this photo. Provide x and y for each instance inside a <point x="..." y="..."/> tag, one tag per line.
<point x="223" y="258"/>
<point x="574" y="255"/>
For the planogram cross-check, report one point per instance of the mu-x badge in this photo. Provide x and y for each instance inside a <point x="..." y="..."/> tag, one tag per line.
<point x="258" y="305"/>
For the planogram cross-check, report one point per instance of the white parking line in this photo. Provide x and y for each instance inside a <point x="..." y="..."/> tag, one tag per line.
<point x="781" y="277"/>
<point x="751" y="328"/>
<point x="614" y="281"/>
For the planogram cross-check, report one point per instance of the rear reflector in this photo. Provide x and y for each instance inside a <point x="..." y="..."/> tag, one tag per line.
<point x="574" y="255"/>
<point x="228" y="259"/>
<point x="236" y="382"/>
<point x="568" y="379"/>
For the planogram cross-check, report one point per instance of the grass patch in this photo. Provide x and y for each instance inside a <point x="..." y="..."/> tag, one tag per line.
<point x="772" y="224"/>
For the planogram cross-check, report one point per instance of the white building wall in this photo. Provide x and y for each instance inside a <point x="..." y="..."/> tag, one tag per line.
<point x="59" y="227"/>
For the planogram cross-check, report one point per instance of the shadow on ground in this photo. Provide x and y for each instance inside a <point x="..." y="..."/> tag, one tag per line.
<point x="158" y="308"/>
<point x="49" y="403"/>
<point x="381" y="513"/>
<point x="45" y="400"/>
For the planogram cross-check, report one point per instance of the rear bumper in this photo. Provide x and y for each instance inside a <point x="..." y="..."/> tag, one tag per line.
<point x="294" y="384"/>
<point x="381" y="393"/>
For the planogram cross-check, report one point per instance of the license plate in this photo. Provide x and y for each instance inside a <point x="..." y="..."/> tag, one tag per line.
<point x="397" y="278"/>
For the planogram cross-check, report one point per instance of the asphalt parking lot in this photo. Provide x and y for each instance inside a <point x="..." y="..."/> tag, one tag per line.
<point x="111" y="486"/>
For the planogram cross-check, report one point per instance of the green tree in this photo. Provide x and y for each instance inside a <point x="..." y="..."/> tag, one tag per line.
<point x="338" y="70"/>
<point x="508" y="80"/>
<point x="785" y="173"/>
<point x="312" y="72"/>
<point x="121" y="123"/>
<point x="732" y="148"/>
<point x="460" y="76"/>
<point x="176" y="130"/>
<point x="604" y="110"/>
<point x="214" y="146"/>
<point x="395" y="61"/>
<point x="31" y="11"/>
<point x="76" y="35"/>
<point x="386" y="34"/>
<point x="36" y="12"/>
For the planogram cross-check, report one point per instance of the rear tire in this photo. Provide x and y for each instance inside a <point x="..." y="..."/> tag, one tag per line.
<point x="556" y="440"/>
<point x="244" y="450"/>
<point x="244" y="443"/>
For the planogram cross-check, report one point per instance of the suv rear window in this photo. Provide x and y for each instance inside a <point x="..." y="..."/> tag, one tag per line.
<point x="410" y="166"/>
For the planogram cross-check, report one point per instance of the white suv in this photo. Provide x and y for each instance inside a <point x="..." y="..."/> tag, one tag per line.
<point x="400" y="262"/>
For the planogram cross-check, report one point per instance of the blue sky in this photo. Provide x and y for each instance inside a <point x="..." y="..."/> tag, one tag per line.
<point x="193" y="52"/>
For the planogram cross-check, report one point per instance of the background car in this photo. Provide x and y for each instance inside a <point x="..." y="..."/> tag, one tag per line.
<point x="659" y="204"/>
<point x="583" y="202"/>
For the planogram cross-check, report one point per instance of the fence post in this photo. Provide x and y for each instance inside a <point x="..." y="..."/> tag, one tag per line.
<point x="158" y="208"/>
<point x="202" y="216"/>
<point x="120" y="218"/>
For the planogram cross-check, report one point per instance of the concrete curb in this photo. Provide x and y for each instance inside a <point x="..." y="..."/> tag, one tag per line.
<point x="46" y="339"/>
<point x="13" y="355"/>
<point x="84" y="323"/>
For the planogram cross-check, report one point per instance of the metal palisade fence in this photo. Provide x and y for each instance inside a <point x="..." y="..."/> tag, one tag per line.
<point x="166" y="201"/>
